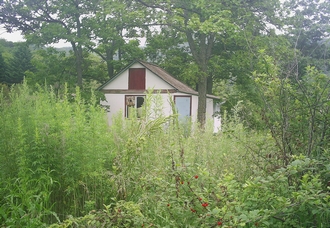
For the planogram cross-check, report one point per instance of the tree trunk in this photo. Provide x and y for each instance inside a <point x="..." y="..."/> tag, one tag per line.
<point x="202" y="86"/>
<point x="77" y="49"/>
<point x="201" y="46"/>
<point x="209" y="85"/>
<point x="109" y="56"/>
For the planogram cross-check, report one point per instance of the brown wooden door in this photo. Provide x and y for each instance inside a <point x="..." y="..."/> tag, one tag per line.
<point x="137" y="79"/>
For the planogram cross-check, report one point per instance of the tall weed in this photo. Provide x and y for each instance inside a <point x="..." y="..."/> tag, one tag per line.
<point x="56" y="152"/>
<point x="64" y="163"/>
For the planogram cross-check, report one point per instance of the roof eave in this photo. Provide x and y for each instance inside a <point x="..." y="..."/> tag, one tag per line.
<point x="212" y="97"/>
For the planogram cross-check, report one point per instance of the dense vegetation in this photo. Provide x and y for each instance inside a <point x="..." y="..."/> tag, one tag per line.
<point x="61" y="162"/>
<point x="208" y="44"/>
<point x="63" y="166"/>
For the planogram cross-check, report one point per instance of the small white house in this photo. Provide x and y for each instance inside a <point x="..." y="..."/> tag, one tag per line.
<point x="128" y="88"/>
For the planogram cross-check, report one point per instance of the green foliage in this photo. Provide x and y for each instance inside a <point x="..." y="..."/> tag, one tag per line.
<point x="21" y="63"/>
<point x="168" y="49"/>
<point x="115" y="29"/>
<point x="294" y="110"/>
<point x="16" y="63"/>
<point x="64" y="165"/>
<point x="55" y="150"/>
<point x="308" y="32"/>
<point x="52" y="67"/>
<point x="178" y="182"/>
<point x="56" y="68"/>
<point x="3" y="69"/>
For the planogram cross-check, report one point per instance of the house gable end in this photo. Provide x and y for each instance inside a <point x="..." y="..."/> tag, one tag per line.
<point x="156" y="78"/>
<point x="121" y="80"/>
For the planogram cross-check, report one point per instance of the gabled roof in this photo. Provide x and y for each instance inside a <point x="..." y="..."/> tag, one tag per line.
<point x="161" y="73"/>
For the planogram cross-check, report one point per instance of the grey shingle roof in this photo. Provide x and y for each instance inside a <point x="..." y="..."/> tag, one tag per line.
<point x="160" y="72"/>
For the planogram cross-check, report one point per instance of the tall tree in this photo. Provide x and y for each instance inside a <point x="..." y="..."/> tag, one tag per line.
<point x="56" y="68"/>
<point x="18" y="64"/>
<point x="200" y="22"/>
<point x="52" y="67"/>
<point x="169" y="49"/>
<point x="308" y="29"/>
<point x="114" y="24"/>
<point x="206" y="23"/>
<point x="47" y="22"/>
<point x="21" y="63"/>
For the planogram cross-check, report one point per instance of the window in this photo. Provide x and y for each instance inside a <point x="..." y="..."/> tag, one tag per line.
<point x="183" y="106"/>
<point x="134" y="106"/>
<point x="137" y="78"/>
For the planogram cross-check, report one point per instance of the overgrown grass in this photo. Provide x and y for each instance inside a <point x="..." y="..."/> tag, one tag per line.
<point x="54" y="150"/>
<point x="62" y="162"/>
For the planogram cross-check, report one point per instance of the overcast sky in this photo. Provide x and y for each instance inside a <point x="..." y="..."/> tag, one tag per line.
<point x="16" y="37"/>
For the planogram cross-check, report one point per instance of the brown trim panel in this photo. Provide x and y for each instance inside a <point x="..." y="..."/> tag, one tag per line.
<point x="137" y="78"/>
<point x="123" y="91"/>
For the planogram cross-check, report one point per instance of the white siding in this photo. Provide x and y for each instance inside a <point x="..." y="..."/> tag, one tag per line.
<point x="155" y="82"/>
<point x="216" y="117"/>
<point x="209" y="108"/>
<point x="120" y="82"/>
<point x="137" y="65"/>
<point x="116" y="103"/>
<point x="194" y="108"/>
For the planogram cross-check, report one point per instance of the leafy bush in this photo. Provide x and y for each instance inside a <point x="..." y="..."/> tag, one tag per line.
<point x="191" y="197"/>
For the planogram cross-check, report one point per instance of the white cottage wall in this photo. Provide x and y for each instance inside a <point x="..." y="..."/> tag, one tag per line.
<point x="137" y="65"/>
<point x="194" y="108"/>
<point x="216" y="117"/>
<point x="155" y="82"/>
<point x="120" y="82"/>
<point x="116" y="103"/>
<point x="165" y="109"/>
<point x="209" y="108"/>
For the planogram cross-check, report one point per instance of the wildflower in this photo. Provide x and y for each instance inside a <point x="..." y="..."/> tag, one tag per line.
<point x="219" y="223"/>
<point x="205" y="204"/>
<point x="168" y="205"/>
<point x="200" y="199"/>
<point x="192" y="210"/>
<point x="196" y="176"/>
